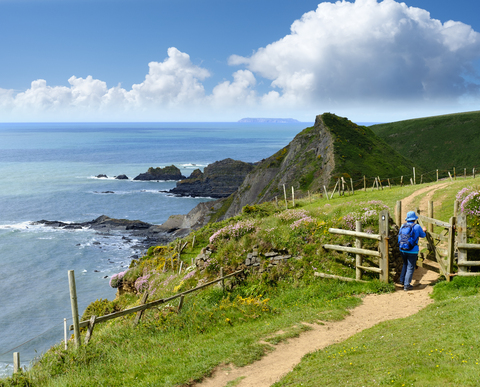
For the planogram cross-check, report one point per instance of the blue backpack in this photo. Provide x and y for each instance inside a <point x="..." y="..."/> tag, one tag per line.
<point x="405" y="237"/>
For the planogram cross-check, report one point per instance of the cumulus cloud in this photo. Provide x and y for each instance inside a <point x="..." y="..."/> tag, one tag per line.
<point x="176" y="81"/>
<point x="340" y="57"/>
<point x="345" y="51"/>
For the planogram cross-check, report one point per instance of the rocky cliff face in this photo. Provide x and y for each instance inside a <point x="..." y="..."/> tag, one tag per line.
<point x="334" y="147"/>
<point x="306" y="163"/>
<point x="218" y="180"/>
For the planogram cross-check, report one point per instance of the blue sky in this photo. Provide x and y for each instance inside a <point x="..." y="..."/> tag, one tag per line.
<point x="222" y="60"/>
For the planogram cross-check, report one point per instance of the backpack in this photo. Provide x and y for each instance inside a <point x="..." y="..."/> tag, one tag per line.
<point x="405" y="237"/>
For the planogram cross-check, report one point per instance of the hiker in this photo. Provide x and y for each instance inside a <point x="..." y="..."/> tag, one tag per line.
<point x="408" y="244"/>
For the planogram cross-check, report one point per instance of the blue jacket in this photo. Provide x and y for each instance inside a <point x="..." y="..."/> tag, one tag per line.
<point x="417" y="232"/>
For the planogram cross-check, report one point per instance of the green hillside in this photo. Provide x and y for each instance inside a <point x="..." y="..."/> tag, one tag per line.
<point x="360" y="152"/>
<point x="440" y="142"/>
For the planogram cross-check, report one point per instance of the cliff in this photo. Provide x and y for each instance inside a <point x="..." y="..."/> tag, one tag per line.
<point x="334" y="147"/>
<point x="218" y="180"/>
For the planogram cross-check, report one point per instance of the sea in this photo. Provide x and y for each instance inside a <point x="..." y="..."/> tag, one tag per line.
<point x="48" y="172"/>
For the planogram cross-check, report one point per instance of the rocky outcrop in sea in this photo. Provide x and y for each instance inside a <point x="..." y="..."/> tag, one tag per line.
<point x="147" y="234"/>
<point x="167" y="173"/>
<point x="218" y="180"/>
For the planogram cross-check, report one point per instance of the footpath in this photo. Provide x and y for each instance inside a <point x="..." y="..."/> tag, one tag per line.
<point x="373" y="310"/>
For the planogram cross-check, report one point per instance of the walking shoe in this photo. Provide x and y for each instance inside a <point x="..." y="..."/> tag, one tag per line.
<point x="408" y="287"/>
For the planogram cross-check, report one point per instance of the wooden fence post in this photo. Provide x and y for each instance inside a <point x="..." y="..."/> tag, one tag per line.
<point x="364" y="184"/>
<point x="380" y="182"/>
<point x="451" y="247"/>
<point x="221" y="276"/>
<point x="437" y="175"/>
<point x="16" y="362"/>
<point x="351" y="183"/>
<point x="414" y="179"/>
<point x="140" y="312"/>
<point x="398" y="213"/>
<point x="293" y="197"/>
<point x="473" y="173"/>
<point x="326" y="192"/>
<point x="430" y="215"/>
<point x="389" y="185"/>
<point x="383" y="244"/>
<point x="462" y="238"/>
<point x="91" y="325"/>
<point x="450" y="175"/>
<point x="401" y="181"/>
<point x="358" y="245"/>
<point x="65" y="335"/>
<point x="464" y="173"/>
<point x="285" y="196"/>
<point x="74" y="305"/>
<point x="180" y="304"/>
<point x="193" y="241"/>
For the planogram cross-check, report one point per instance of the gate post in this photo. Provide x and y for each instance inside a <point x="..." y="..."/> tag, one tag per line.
<point x="462" y="238"/>
<point x="430" y="215"/>
<point x="358" y="245"/>
<point x="383" y="231"/>
<point x="451" y="247"/>
<point x="398" y="213"/>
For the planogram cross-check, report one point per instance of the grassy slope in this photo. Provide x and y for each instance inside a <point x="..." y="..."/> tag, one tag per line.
<point x="439" y="346"/>
<point x="210" y="331"/>
<point x="440" y="142"/>
<point x="359" y="151"/>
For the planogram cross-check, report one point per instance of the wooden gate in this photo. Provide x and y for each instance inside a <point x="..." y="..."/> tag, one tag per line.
<point x="382" y="254"/>
<point x="441" y="246"/>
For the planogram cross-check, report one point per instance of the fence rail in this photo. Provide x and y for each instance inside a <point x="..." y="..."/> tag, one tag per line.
<point x="88" y="323"/>
<point x="382" y="254"/>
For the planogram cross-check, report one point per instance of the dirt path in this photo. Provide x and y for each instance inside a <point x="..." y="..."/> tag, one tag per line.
<point x="407" y="203"/>
<point x="373" y="310"/>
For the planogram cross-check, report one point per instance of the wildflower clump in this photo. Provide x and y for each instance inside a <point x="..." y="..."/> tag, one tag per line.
<point x="236" y="230"/>
<point x="469" y="199"/>
<point x="117" y="279"/>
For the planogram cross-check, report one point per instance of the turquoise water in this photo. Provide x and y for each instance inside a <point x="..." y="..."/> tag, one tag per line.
<point x="47" y="171"/>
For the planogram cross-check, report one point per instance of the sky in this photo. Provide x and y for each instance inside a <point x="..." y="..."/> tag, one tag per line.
<point x="223" y="60"/>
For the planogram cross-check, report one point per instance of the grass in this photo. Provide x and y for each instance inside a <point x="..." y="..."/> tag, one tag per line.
<point x="434" y="142"/>
<point x="439" y="346"/>
<point x="238" y="326"/>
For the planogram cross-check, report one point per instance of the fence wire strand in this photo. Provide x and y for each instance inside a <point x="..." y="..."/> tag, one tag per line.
<point x="33" y="338"/>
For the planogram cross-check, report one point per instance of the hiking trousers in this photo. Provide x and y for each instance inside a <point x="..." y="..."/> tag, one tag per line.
<point x="409" y="263"/>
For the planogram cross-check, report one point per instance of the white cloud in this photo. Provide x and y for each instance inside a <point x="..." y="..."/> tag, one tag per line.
<point x="343" y="57"/>
<point x="240" y="91"/>
<point x="367" y="50"/>
<point x="176" y="81"/>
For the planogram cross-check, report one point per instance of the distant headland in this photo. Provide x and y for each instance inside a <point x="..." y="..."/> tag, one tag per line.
<point x="268" y="120"/>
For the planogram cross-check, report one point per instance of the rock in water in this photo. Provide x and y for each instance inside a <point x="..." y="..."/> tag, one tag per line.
<point x="168" y="173"/>
<point x="219" y="180"/>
